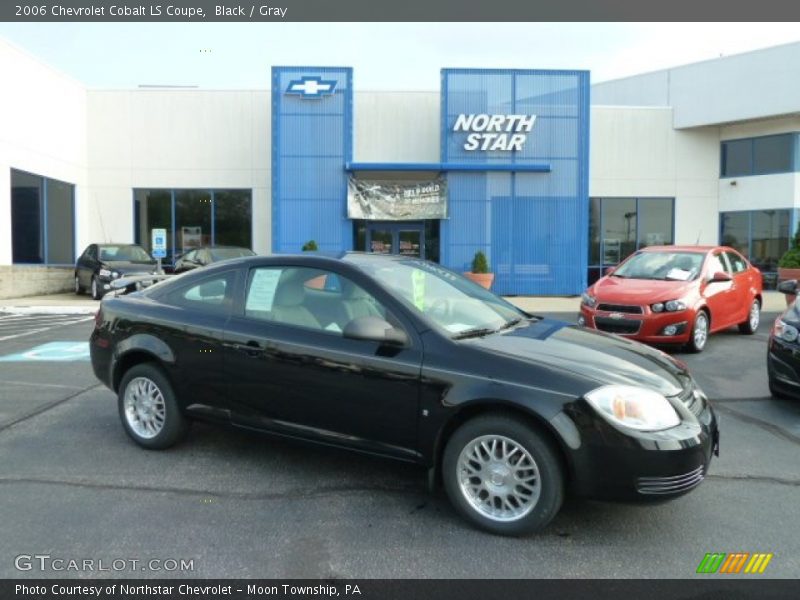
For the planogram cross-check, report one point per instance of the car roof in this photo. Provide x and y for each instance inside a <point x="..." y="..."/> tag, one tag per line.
<point x="698" y="249"/>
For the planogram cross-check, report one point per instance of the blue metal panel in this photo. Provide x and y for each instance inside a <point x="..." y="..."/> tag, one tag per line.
<point x="311" y="143"/>
<point x="533" y="226"/>
<point x="538" y="167"/>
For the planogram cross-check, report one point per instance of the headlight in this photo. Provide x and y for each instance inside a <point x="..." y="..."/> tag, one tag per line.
<point x="669" y="306"/>
<point x="633" y="407"/>
<point x="675" y="305"/>
<point x="588" y="300"/>
<point x="114" y="274"/>
<point x="785" y="331"/>
<point x="105" y="273"/>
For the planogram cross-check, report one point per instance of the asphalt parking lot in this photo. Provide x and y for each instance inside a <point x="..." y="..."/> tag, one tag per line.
<point x="72" y="486"/>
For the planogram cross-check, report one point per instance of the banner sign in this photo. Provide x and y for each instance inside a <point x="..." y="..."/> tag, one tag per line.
<point x="384" y="200"/>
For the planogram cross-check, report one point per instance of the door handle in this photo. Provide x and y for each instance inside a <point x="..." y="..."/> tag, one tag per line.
<point x="252" y="348"/>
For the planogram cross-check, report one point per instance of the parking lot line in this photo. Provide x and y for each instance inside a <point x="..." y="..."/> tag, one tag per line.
<point x="22" y="328"/>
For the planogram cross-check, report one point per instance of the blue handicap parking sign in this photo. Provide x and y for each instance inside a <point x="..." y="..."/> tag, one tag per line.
<point x="54" y="351"/>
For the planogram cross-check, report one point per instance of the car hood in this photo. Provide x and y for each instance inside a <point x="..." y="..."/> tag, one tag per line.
<point x="129" y="267"/>
<point x="601" y="358"/>
<point x="619" y="290"/>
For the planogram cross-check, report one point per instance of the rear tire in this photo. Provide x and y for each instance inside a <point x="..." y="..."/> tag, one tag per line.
<point x="148" y="409"/>
<point x="503" y="475"/>
<point x="750" y="326"/>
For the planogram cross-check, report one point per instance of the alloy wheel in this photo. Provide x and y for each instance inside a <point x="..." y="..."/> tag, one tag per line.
<point x="499" y="478"/>
<point x="755" y="315"/>
<point x="145" y="410"/>
<point x="700" y="330"/>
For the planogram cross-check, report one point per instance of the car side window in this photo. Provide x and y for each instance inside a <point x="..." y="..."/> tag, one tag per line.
<point x="738" y="264"/>
<point x="91" y="252"/>
<point x="309" y="298"/>
<point x="211" y="293"/>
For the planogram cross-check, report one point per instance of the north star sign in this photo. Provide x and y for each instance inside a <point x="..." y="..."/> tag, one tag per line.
<point x="495" y="132"/>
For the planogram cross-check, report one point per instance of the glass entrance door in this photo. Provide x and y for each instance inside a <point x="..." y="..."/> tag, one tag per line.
<point x="403" y="238"/>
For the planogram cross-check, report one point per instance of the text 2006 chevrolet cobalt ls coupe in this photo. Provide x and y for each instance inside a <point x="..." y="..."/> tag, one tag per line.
<point x="403" y="358"/>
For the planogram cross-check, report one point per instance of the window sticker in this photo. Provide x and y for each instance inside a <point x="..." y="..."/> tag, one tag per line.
<point x="262" y="289"/>
<point x="680" y="274"/>
<point x="418" y="287"/>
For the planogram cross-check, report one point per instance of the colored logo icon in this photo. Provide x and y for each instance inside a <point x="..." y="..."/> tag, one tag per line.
<point x="311" y="87"/>
<point x="735" y="563"/>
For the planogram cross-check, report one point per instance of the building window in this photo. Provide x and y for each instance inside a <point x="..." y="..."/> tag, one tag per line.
<point x="760" y="235"/>
<point x="42" y="220"/>
<point x="759" y="156"/>
<point x="194" y="218"/>
<point x="620" y="226"/>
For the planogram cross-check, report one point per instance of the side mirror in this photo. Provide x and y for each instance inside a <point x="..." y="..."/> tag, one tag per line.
<point x="788" y="287"/>
<point x="720" y="277"/>
<point x="374" y="329"/>
<point x="609" y="270"/>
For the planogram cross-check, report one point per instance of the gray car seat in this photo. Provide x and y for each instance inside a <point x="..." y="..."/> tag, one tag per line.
<point x="287" y="306"/>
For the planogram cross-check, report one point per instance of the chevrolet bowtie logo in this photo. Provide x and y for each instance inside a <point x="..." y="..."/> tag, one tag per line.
<point x="311" y="87"/>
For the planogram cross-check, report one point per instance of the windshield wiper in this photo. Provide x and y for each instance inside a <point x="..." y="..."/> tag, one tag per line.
<point x="510" y="324"/>
<point x="476" y="332"/>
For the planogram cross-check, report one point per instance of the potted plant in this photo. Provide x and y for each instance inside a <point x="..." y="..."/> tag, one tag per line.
<point x="317" y="283"/>
<point x="789" y="264"/>
<point x="480" y="271"/>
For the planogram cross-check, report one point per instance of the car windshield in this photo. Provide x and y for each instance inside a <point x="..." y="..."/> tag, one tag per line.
<point x="674" y="266"/>
<point x="226" y="253"/>
<point x="124" y="253"/>
<point x="456" y="305"/>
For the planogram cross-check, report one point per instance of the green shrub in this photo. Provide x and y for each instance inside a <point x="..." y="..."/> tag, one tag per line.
<point x="791" y="258"/>
<point x="310" y="246"/>
<point x="479" y="263"/>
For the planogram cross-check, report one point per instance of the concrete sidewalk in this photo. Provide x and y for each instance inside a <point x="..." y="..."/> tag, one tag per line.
<point x="72" y="304"/>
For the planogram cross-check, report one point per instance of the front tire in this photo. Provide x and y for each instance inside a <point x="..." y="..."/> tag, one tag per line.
<point x="147" y="407"/>
<point x="503" y="475"/>
<point x="699" y="335"/>
<point x="750" y="326"/>
<point x="97" y="293"/>
<point x="78" y="288"/>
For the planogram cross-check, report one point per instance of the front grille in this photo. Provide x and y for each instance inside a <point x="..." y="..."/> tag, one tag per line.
<point x="670" y="485"/>
<point x="623" y="308"/>
<point x="623" y="326"/>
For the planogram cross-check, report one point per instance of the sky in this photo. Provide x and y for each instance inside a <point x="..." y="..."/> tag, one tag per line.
<point x="385" y="56"/>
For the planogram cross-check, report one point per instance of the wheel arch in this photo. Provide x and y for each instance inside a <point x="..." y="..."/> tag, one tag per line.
<point x="487" y="406"/>
<point x="137" y="349"/>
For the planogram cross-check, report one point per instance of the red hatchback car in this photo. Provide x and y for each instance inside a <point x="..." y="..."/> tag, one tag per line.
<point x="675" y="295"/>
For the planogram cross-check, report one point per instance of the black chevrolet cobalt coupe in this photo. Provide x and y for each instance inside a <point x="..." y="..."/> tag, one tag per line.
<point x="403" y="358"/>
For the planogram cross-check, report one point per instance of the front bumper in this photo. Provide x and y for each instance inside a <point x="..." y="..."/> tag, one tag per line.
<point x="783" y="365"/>
<point x="611" y="464"/>
<point x="646" y="326"/>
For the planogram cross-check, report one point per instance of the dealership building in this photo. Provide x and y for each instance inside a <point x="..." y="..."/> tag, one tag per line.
<point x="552" y="177"/>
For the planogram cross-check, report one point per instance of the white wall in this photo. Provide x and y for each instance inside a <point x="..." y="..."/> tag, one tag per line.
<point x="635" y="152"/>
<point x="42" y="130"/>
<point x="396" y="127"/>
<point x="176" y="139"/>
<point x="743" y="87"/>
